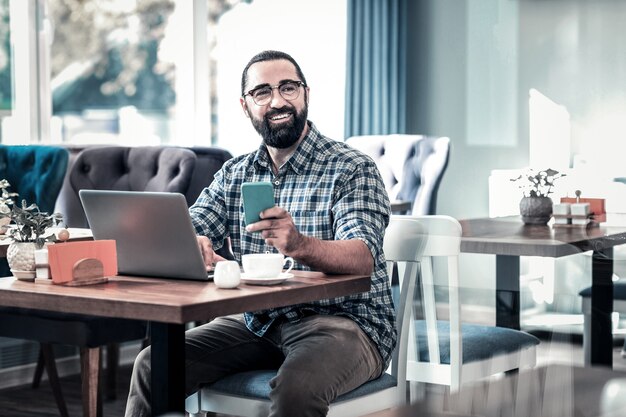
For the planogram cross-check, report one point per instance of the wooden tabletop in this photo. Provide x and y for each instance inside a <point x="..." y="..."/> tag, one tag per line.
<point x="175" y="301"/>
<point x="509" y="236"/>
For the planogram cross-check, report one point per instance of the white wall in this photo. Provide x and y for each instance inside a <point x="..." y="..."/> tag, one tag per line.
<point x="474" y="63"/>
<point x="312" y="32"/>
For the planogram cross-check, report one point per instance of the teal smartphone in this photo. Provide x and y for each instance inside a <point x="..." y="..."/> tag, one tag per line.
<point x="257" y="196"/>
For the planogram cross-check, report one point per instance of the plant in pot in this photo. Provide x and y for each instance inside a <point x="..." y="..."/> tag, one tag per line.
<point x="28" y="234"/>
<point x="6" y="201"/>
<point x="536" y="205"/>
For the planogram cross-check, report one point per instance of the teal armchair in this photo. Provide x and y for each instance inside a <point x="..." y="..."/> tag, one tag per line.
<point x="36" y="172"/>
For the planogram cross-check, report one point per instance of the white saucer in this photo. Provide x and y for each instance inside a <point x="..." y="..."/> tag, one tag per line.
<point x="266" y="281"/>
<point x="27" y="275"/>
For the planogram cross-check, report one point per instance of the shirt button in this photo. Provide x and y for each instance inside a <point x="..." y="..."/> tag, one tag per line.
<point x="276" y="182"/>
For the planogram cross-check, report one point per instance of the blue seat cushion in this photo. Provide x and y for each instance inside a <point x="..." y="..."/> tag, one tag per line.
<point x="619" y="291"/>
<point x="479" y="342"/>
<point x="256" y="384"/>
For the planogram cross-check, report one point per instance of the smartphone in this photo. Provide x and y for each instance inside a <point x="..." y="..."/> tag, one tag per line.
<point x="257" y="196"/>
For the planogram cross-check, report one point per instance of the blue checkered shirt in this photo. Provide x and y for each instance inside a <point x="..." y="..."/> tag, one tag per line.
<point x="333" y="192"/>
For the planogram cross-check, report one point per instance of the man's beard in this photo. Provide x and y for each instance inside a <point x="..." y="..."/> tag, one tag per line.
<point x="286" y="134"/>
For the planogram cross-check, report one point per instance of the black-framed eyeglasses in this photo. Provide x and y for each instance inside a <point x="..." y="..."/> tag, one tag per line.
<point x="289" y="90"/>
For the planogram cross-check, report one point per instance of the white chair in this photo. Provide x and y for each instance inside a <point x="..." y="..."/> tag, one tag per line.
<point x="438" y="355"/>
<point x="247" y="393"/>
<point x="619" y="300"/>
<point x="619" y="306"/>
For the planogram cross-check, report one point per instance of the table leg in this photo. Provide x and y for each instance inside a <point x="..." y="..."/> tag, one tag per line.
<point x="507" y="291"/>
<point x="602" y="307"/>
<point x="168" y="367"/>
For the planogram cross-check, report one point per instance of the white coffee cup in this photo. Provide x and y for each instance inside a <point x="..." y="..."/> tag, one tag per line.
<point x="227" y="274"/>
<point x="265" y="265"/>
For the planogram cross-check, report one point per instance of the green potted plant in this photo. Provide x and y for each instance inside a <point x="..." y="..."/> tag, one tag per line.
<point x="536" y="205"/>
<point x="28" y="233"/>
<point x="6" y="201"/>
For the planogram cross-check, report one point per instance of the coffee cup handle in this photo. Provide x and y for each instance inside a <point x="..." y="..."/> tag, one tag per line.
<point x="290" y="260"/>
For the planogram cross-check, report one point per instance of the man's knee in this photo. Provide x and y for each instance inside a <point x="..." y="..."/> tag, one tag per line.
<point x="142" y="362"/>
<point x="293" y="393"/>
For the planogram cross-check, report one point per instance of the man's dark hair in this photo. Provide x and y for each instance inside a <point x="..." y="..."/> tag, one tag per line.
<point x="269" y="56"/>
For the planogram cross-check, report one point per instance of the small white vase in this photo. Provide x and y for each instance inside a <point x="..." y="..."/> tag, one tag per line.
<point x="21" y="259"/>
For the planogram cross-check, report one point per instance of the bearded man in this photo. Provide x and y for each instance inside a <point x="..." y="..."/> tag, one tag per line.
<point x="330" y="216"/>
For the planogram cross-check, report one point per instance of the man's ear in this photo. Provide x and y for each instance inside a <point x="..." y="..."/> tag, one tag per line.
<point x="244" y="106"/>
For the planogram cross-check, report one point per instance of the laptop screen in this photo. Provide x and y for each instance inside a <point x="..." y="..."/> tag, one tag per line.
<point x="153" y="232"/>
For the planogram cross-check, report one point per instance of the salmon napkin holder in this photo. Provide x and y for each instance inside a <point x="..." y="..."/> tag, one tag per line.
<point x="82" y="263"/>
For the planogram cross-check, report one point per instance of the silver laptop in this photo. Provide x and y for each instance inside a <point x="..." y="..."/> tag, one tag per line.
<point x="153" y="232"/>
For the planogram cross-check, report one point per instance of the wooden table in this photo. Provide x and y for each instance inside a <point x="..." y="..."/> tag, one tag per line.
<point x="168" y="305"/>
<point x="508" y="238"/>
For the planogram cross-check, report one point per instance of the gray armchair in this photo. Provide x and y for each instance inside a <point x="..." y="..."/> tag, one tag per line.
<point x="145" y="168"/>
<point x="208" y="161"/>
<point x="125" y="173"/>
<point x="411" y="166"/>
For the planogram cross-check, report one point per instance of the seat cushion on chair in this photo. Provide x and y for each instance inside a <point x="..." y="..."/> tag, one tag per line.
<point x="256" y="384"/>
<point x="619" y="291"/>
<point x="479" y="342"/>
<point x="65" y="328"/>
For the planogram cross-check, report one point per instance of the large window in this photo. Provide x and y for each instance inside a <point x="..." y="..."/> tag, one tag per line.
<point x="312" y="31"/>
<point x="111" y="81"/>
<point x="149" y="72"/>
<point x="6" y="69"/>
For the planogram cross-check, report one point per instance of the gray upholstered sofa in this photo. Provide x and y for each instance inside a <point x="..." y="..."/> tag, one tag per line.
<point x="145" y="168"/>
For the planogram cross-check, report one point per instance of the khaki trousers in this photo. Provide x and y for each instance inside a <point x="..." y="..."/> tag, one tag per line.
<point x="318" y="358"/>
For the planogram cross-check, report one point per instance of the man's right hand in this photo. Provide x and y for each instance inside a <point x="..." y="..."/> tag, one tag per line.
<point x="208" y="254"/>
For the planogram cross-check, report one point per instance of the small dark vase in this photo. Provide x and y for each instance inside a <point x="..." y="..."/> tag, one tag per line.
<point x="535" y="210"/>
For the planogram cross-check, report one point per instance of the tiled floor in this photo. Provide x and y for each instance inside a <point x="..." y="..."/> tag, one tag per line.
<point x="563" y="398"/>
<point x="24" y="401"/>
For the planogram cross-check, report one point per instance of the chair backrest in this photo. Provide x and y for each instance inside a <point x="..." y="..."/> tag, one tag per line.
<point x="404" y="244"/>
<point x="209" y="161"/>
<point x="36" y="172"/>
<point x="144" y="168"/>
<point x="442" y="239"/>
<point x="411" y="166"/>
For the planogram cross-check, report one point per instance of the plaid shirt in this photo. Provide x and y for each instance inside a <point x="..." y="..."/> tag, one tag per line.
<point x="333" y="192"/>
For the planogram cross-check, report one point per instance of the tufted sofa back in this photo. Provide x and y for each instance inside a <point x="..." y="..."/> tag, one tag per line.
<point x="411" y="166"/>
<point x="122" y="168"/>
<point x="145" y="168"/>
<point x="36" y="172"/>
<point x="209" y="161"/>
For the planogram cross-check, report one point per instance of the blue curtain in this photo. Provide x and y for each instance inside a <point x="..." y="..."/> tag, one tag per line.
<point x="376" y="67"/>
